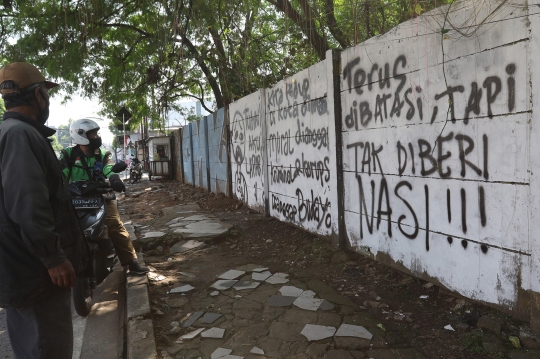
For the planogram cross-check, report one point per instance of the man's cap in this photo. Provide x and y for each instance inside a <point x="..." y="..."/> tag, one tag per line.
<point x="24" y="75"/>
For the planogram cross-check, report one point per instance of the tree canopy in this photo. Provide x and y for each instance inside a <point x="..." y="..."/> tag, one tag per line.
<point x="147" y="55"/>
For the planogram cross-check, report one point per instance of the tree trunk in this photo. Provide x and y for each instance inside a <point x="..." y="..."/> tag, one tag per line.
<point x="333" y="25"/>
<point x="306" y="24"/>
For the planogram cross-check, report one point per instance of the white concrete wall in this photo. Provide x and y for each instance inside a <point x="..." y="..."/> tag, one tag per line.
<point x="439" y="150"/>
<point x="247" y="149"/>
<point x="441" y="185"/>
<point x="301" y="164"/>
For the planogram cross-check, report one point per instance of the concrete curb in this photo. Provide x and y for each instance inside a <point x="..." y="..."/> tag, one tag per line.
<point x="141" y="343"/>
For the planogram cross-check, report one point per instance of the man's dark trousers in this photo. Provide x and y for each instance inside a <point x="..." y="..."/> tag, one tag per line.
<point x="43" y="330"/>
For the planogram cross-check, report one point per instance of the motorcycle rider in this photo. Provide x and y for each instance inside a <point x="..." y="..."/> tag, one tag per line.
<point x="135" y="170"/>
<point x="87" y="160"/>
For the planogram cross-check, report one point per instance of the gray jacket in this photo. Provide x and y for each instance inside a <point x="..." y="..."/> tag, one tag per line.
<point x="38" y="225"/>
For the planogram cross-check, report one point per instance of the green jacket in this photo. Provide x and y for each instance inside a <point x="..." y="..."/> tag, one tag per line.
<point x="74" y="160"/>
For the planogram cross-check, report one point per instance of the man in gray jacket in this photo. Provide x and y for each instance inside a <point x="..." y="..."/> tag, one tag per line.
<point x="42" y="247"/>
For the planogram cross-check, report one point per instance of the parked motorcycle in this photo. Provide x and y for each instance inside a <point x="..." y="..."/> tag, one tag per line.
<point x="88" y="198"/>
<point x="135" y="170"/>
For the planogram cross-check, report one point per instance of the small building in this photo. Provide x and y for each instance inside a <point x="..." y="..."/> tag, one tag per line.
<point x="159" y="156"/>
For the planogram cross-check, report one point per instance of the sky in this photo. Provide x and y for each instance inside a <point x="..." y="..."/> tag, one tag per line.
<point x="78" y="108"/>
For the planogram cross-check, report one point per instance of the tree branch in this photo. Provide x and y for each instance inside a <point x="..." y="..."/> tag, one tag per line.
<point x="306" y="24"/>
<point x="333" y="25"/>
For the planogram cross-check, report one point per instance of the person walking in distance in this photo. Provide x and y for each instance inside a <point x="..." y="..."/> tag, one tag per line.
<point x="42" y="247"/>
<point x="87" y="160"/>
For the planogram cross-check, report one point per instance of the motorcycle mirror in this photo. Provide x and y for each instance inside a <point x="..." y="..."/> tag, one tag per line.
<point x="119" y="167"/>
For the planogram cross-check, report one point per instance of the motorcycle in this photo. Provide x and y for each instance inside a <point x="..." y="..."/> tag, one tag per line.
<point x="135" y="170"/>
<point x="88" y="198"/>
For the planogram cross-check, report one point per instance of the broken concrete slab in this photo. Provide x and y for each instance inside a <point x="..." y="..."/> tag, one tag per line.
<point x="278" y="278"/>
<point x="192" y="319"/>
<point x="232" y="274"/>
<point x="206" y="234"/>
<point x="196" y="217"/>
<point x="308" y="303"/>
<point x="206" y="225"/>
<point x="256" y="350"/>
<point x="220" y="353"/>
<point x="281" y="301"/>
<point x="180" y="224"/>
<point x="186" y="246"/>
<point x="317" y="332"/>
<point x="308" y="294"/>
<point x="223" y="284"/>
<point x="214" y="293"/>
<point x="209" y="318"/>
<point x="182" y="289"/>
<point x="192" y="334"/>
<point x="326" y="305"/>
<point x="174" y="221"/>
<point x="241" y="285"/>
<point x="290" y="291"/>
<point x="259" y="270"/>
<point x="182" y="231"/>
<point x="216" y="333"/>
<point x="154" y="234"/>
<point x="357" y="331"/>
<point x="261" y="276"/>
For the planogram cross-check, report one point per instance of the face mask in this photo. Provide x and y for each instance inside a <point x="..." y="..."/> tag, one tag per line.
<point x="43" y="114"/>
<point x="95" y="143"/>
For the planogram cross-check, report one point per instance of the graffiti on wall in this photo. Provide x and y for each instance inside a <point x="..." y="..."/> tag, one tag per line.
<point x="217" y="148"/>
<point x="247" y="152"/>
<point x="382" y="96"/>
<point x="299" y="157"/>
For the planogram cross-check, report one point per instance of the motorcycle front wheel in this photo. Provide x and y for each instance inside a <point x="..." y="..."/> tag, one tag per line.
<point x="132" y="177"/>
<point x="82" y="297"/>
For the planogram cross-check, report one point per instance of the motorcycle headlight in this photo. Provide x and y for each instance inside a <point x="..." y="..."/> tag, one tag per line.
<point x="88" y="231"/>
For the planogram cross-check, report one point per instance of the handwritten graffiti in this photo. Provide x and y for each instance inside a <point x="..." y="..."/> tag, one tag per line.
<point x="254" y="166"/>
<point x="316" y="137"/>
<point x="409" y="101"/>
<point x="287" y="210"/>
<point x="385" y="204"/>
<point x="240" y="185"/>
<point x="294" y="111"/>
<point x="280" y="144"/>
<point x="431" y="164"/>
<point x="314" y="209"/>
<point x="318" y="170"/>
<point x="254" y="143"/>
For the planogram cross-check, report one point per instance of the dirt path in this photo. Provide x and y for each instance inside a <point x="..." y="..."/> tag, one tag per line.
<point x="407" y="314"/>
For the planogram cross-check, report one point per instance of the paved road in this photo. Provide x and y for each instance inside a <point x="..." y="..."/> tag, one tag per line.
<point x="101" y="334"/>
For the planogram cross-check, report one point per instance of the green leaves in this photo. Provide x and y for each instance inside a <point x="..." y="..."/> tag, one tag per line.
<point x="149" y="55"/>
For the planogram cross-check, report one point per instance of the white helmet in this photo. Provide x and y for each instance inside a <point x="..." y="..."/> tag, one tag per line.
<point x="79" y="128"/>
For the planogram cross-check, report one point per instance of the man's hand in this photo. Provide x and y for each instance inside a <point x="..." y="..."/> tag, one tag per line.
<point x="119" y="186"/>
<point x="63" y="275"/>
<point x="116" y="183"/>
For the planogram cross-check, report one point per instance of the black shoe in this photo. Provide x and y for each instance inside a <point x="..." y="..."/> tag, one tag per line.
<point x="137" y="268"/>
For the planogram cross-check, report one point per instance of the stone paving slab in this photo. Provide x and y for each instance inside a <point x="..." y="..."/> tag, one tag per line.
<point x="192" y="319"/>
<point x="231" y="274"/>
<point x="276" y="315"/>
